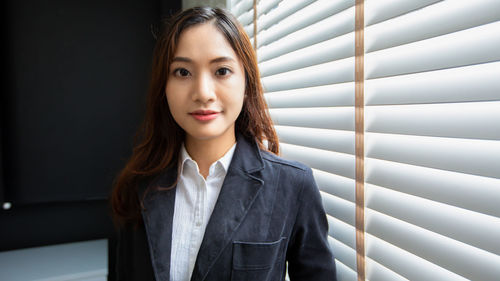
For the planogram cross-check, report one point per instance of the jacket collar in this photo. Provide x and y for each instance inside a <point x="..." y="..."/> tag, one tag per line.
<point x="158" y="214"/>
<point x="239" y="189"/>
<point x="247" y="155"/>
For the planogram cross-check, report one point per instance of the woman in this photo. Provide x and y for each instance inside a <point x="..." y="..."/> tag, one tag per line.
<point x="201" y="198"/>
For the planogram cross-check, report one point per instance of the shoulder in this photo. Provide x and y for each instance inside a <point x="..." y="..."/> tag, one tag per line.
<point x="288" y="171"/>
<point x="275" y="160"/>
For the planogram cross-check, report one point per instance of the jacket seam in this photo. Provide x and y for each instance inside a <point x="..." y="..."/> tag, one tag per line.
<point x="284" y="163"/>
<point x="299" y="209"/>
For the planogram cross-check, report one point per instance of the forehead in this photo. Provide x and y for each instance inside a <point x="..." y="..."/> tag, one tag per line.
<point x="204" y="41"/>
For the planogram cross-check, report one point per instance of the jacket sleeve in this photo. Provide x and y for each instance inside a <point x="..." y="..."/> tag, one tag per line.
<point x="122" y="251"/>
<point x="309" y="255"/>
<point x="132" y="261"/>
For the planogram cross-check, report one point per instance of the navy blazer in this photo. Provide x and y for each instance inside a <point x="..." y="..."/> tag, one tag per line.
<point x="269" y="213"/>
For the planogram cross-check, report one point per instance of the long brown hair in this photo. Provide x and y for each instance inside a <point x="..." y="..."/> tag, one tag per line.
<point x="159" y="139"/>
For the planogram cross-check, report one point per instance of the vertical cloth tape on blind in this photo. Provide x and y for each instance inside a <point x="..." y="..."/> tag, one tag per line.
<point x="359" y="142"/>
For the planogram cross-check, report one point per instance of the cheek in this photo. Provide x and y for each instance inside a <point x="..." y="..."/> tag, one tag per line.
<point x="173" y="106"/>
<point x="170" y="90"/>
<point x="239" y="93"/>
<point x="235" y="100"/>
<point x="237" y="106"/>
<point x="169" y="102"/>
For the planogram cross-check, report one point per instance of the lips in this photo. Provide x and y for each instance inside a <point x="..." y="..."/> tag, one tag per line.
<point x="204" y="115"/>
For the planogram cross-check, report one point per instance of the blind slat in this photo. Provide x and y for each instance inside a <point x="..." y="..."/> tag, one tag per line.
<point x="234" y="2"/>
<point x="337" y="118"/>
<point x="331" y="27"/>
<point x="249" y="30"/>
<point x="405" y="263"/>
<point x="283" y="10"/>
<point x="471" y="46"/>
<point x="335" y="185"/>
<point x="459" y="120"/>
<point x="381" y="10"/>
<point x="475" y="193"/>
<point x="304" y="17"/>
<point x="333" y="162"/>
<point x="457" y="257"/>
<point x="476" y="229"/>
<point x="241" y="7"/>
<point x="344" y="253"/>
<point x="345" y="273"/>
<point x="470" y="156"/>
<point x="246" y="20"/>
<point x="328" y="95"/>
<point x="338" y="48"/>
<point x="462" y="84"/>
<point x="341" y="231"/>
<point x="262" y="8"/>
<point x="376" y="271"/>
<point x="342" y="210"/>
<point x="340" y="71"/>
<point x="435" y="20"/>
<point x="332" y="140"/>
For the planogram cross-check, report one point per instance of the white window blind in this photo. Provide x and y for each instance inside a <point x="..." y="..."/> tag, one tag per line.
<point x="431" y="120"/>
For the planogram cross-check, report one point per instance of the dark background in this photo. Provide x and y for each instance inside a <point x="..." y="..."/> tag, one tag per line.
<point x="73" y="90"/>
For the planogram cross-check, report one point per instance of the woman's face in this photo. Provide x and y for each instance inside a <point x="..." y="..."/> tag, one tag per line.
<point x="206" y="84"/>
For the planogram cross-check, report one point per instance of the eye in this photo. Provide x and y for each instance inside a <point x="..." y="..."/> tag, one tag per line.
<point x="182" y="72"/>
<point x="224" y="71"/>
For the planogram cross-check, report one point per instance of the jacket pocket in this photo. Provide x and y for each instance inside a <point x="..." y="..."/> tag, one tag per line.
<point x="257" y="260"/>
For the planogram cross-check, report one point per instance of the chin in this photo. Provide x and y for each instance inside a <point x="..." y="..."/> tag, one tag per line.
<point x="206" y="135"/>
<point x="210" y="133"/>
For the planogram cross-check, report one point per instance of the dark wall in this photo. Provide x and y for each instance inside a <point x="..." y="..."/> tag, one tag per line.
<point x="71" y="100"/>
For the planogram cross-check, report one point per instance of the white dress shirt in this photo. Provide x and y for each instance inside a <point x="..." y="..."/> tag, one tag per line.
<point x="195" y="198"/>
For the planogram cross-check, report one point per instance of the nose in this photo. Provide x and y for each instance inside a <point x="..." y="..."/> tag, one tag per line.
<point x="203" y="90"/>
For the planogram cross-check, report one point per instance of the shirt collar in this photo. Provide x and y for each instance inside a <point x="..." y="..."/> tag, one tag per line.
<point x="224" y="161"/>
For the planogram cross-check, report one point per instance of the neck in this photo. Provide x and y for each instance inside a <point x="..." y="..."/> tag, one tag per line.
<point x="206" y="152"/>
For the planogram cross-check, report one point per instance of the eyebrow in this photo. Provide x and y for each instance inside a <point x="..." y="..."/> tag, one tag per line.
<point x="216" y="60"/>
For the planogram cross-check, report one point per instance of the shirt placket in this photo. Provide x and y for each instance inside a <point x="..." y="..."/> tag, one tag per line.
<point x="200" y="202"/>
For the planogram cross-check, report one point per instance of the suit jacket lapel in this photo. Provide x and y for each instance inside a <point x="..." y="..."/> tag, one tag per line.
<point x="240" y="187"/>
<point x="158" y="216"/>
